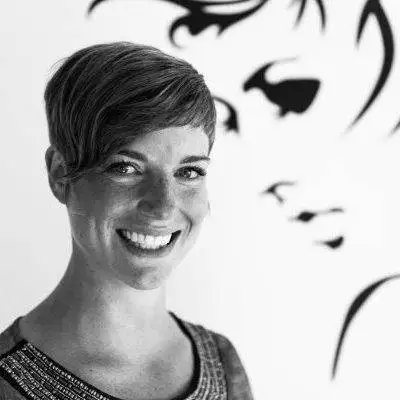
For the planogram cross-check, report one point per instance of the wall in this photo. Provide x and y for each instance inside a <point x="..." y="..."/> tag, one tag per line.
<point x="302" y="240"/>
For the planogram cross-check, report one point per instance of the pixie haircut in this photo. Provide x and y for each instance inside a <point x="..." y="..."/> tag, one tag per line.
<point x="103" y="96"/>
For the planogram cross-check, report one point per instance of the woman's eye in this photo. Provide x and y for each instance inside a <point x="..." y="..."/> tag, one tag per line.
<point x="191" y="173"/>
<point x="123" y="168"/>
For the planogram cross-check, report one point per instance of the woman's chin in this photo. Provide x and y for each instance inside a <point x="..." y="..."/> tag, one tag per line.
<point x="145" y="269"/>
<point x="146" y="278"/>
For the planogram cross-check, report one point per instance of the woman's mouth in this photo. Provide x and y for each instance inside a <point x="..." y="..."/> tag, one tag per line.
<point x="150" y="244"/>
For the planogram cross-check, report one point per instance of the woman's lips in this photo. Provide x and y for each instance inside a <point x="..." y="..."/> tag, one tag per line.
<point x="138" y="249"/>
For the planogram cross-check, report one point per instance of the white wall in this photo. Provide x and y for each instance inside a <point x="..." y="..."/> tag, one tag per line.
<point x="254" y="275"/>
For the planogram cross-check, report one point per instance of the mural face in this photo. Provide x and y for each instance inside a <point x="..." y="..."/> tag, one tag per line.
<point x="292" y="95"/>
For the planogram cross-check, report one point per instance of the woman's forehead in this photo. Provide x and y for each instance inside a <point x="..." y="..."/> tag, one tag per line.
<point x="169" y="145"/>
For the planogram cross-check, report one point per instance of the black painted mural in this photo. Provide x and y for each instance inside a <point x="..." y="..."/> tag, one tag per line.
<point x="293" y="95"/>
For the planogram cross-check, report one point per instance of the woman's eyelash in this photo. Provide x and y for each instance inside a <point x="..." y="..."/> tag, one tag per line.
<point x="120" y="168"/>
<point x="200" y="171"/>
<point x="121" y="164"/>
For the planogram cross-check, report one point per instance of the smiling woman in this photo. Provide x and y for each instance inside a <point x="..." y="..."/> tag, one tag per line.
<point x="131" y="130"/>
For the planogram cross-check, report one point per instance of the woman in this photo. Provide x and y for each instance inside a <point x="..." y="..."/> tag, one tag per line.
<point x="131" y="130"/>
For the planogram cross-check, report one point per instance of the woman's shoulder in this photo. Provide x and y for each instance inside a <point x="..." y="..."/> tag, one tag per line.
<point x="9" y="339"/>
<point x="227" y="351"/>
<point x="237" y="381"/>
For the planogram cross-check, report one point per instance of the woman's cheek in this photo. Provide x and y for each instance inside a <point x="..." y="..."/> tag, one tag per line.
<point x="99" y="195"/>
<point x="195" y="202"/>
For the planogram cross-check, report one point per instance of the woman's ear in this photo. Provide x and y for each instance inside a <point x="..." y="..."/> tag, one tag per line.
<point x="56" y="169"/>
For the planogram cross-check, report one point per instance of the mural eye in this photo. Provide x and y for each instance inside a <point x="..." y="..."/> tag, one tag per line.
<point x="295" y="95"/>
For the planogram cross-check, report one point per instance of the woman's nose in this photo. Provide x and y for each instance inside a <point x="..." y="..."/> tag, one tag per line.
<point x="158" y="200"/>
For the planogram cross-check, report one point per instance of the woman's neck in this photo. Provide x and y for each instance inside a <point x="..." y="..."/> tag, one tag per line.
<point x="97" y="314"/>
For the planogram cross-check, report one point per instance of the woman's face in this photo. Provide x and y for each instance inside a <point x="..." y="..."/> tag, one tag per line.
<point x="136" y="217"/>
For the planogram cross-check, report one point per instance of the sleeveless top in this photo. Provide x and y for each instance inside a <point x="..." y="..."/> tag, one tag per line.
<point x="28" y="373"/>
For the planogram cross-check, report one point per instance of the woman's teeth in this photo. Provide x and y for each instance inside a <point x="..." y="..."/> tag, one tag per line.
<point x="146" y="241"/>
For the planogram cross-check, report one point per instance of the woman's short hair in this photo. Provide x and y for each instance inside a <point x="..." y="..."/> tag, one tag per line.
<point x="103" y="96"/>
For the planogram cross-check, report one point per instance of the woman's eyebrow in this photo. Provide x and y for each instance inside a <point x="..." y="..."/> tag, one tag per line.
<point x="141" y="157"/>
<point x="190" y="159"/>
<point x="133" y="154"/>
